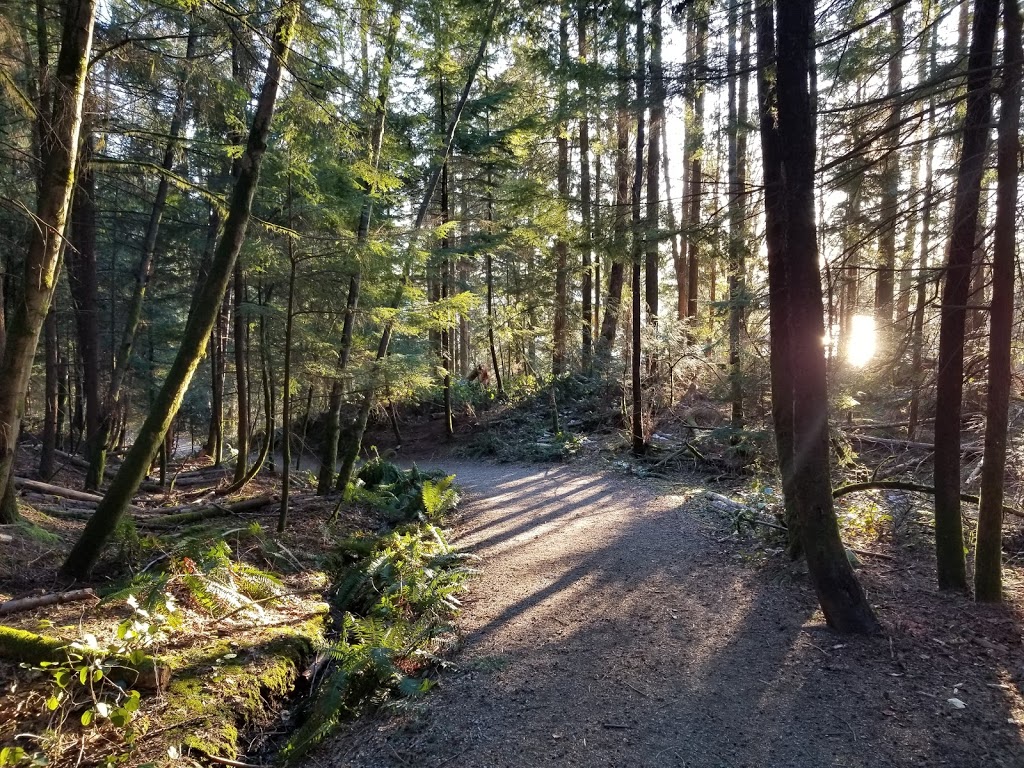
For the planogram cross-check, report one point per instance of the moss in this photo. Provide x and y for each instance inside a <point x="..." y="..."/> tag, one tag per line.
<point x="28" y="647"/>
<point x="37" y="534"/>
<point x="224" y="689"/>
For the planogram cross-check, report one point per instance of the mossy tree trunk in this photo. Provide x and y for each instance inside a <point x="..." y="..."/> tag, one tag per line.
<point x="201" y="319"/>
<point x="59" y="148"/>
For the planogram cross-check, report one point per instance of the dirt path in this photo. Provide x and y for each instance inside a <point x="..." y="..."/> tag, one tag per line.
<point x="611" y="627"/>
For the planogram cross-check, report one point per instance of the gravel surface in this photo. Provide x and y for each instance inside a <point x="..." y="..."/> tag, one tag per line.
<point x="613" y="625"/>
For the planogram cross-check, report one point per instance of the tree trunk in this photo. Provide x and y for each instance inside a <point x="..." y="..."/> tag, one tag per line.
<point x="489" y="272"/>
<point x="305" y="427"/>
<point x="788" y="151"/>
<point x="60" y="150"/>
<point x="47" y="456"/>
<point x="670" y="216"/>
<point x="949" y="537"/>
<point x="695" y="148"/>
<point x="637" y="425"/>
<point x="988" y="581"/>
<point x="613" y="296"/>
<point x="737" y="200"/>
<point x="82" y="274"/>
<point x="778" y="289"/>
<point x="286" y="389"/>
<point x="144" y="271"/>
<point x="200" y="322"/>
<point x="888" y="207"/>
<point x="585" y="193"/>
<point x="444" y="280"/>
<point x="923" y="271"/>
<point x="652" y="260"/>
<point x="241" y="375"/>
<point x="561" y="313"/>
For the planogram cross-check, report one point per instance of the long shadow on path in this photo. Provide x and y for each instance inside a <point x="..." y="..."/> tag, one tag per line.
<point x="609" y="628"/>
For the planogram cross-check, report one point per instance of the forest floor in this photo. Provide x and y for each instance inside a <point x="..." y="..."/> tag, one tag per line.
<point x="624" y="614"/>
<point x="619" y="623"/>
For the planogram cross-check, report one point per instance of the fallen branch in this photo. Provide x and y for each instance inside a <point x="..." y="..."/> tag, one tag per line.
<point x="208" y="511"/>
<point x="778" y="527"/>
<point x="68" y="513"/>
<point x="40" y="601"/>
<point x="900" y="485"/>
<point x="56" y="490"/>
<point x="908" y="445"/>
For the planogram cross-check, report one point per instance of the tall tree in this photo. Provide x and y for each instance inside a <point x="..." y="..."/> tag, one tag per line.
<point x="637" y="425"/>
<point x="694" y="154"/>
<point x="949" y="536"/>
<point x="362" y="417"/>
<point x="652" y="263"/>
<point x="739" y="24"/>
<point x="201" y="319"/>
<point x="329" y="450"/>
<point x="788" y="150"/>
<point x="988" y="584"/>
<point x="561" y="314"/>
<point x="890" y="178"/>
<point x="587" y="286"/>
<point x="59" y="148"/>
<point x="613" y="296"/>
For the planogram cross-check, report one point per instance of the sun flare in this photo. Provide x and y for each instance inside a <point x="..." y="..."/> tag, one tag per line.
<point x="861" y="343"/>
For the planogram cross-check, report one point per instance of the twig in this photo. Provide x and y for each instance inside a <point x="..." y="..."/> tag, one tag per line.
<point x="233" y="763"/>
<point x="633" y="687"/>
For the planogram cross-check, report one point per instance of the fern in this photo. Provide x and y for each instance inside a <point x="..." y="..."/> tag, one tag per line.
<point x="397" y="591"/>
<point x="203" y="570"/>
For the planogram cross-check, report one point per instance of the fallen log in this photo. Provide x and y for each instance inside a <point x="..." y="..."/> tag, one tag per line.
<point x="40" y="601"/>
<point x="68" y="513"/>
<point x="51" y="498"/>
<point x="148" y="673"/>
<point x="56" y="490"/>
<point x="900" y="485"/>
<point x="208" y="511"/>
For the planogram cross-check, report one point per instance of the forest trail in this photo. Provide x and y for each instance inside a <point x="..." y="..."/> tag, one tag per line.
<point x="612" y="625"/>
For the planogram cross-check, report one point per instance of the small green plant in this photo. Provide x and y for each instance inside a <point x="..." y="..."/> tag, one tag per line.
<point x="93" y="682"/>
<point x="16" y="756"/>
<point x="402" y="496"/>
<point x="863" y="517"/>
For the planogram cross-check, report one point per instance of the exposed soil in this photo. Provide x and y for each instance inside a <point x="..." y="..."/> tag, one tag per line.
<point x="615" y="624"/>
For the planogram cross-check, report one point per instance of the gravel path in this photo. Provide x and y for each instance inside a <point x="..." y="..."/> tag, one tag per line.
<point x="612" y="626"/>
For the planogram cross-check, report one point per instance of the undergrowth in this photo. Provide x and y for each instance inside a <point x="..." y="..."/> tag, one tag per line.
<point x="396" y="594"/>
